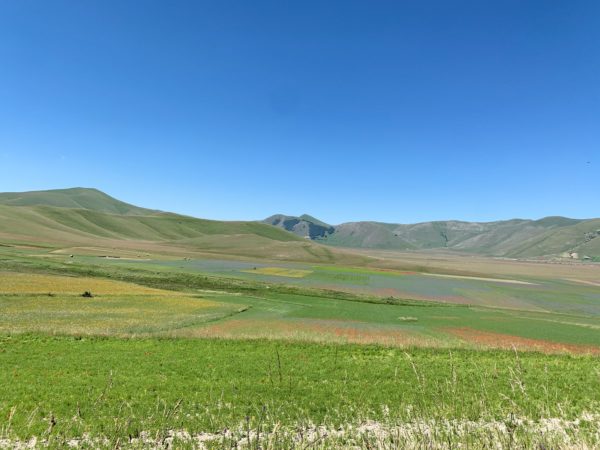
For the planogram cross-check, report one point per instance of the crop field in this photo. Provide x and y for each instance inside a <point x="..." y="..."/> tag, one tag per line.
<point x="565" y="294"/>
<point x="27" y="283"/>
<point x="277" y="316"/>
<point x="54" y="304"/>
<point x="182" y="353"/>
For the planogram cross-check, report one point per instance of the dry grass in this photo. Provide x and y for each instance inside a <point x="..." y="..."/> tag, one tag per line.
<point x="109" y="315"/>
<point x="457" y="264"/>
<point x="53" y="304"/>
<point x="25" y="283"/>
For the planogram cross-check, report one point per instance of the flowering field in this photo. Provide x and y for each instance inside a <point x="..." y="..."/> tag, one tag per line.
<point x="55" y="304"/>
<point x="177" y="358"/>
<point x="29" y="283"/>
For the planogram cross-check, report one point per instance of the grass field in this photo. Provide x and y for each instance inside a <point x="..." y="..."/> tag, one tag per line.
<point x="107" y="392"/>
<point x="188" y="353"/>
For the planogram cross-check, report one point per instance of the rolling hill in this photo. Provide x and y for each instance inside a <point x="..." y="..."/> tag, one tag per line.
<point x="519" y="238"/>
<point x="87" y="221"/>
<point x="90" y="221"/>
<point x="82" y="198"/>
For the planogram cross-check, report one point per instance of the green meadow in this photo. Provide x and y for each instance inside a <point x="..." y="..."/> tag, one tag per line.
<point x="184" y="353"/>
<point x="213" y="393"/>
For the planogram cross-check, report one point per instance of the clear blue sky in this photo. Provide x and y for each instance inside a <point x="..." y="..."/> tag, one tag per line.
<point x="397" y="111"/>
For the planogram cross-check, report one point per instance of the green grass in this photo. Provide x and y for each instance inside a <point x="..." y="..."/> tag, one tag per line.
<point x="81" y="198"/>
<point x="344" y="357"/>
<point x="121" y="388"/>
<point x="277" y="366"/>
<point x="157" y="233"/>
<point x="284" y="311"/>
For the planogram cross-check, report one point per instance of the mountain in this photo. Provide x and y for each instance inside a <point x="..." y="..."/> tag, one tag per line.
<point x="82" y="198"/>
<point x="87" y="221"/>
<point x="81" y="220"/>
<point x="304" y="226"/>
<point x="550" y="236"/>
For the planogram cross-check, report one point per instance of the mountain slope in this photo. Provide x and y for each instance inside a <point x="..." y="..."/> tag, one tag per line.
<point x="550" y="236"/>
<point x="305" y="226"/>
<point x="26" y="219"/>
<point x="81" y="198"/>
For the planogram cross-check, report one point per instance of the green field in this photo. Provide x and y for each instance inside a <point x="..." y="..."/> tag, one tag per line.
<point x="181" y="352"/>
<point x="268" y="394"/>
<point x="316" y="303"/>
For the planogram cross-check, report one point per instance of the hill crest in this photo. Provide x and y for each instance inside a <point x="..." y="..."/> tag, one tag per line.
<point x="77" y="198"/>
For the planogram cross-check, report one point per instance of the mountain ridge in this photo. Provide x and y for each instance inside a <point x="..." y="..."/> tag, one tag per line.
<point x="521" y="238"/>
<point x="85" y="215"/>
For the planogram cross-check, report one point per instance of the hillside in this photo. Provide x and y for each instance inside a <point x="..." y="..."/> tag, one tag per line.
<point x="304" y="226"/>
<point x="79" y="219"/>
<point x="85" y="221"/>
<point x="550" y="236"/>
<point x="81" y="198"/>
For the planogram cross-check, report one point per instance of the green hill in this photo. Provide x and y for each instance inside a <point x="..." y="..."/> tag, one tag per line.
<point x="79" y="219"/>
<point x="82" y="198"/>
<point x="90" y="222"/>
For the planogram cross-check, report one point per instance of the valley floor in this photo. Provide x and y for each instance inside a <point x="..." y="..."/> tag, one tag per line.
<point x="197" y="353"/>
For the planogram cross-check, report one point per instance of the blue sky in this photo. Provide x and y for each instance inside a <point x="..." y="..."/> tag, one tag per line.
<point x="398" y="111"/>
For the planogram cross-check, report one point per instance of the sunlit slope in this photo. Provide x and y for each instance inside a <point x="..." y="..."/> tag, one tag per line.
<point x="66" y="224"/>
<point x="158" y="233"/>
<point x="512" y="238"/>
<point x="582" y="238"/>
<point x="81" y="198"/>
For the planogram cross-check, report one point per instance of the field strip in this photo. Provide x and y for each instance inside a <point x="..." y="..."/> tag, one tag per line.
<point x="32" y="283"/>
<point x="279" y="272"/>
<point x="212" y="291"/>
<point x="510" y="341"/>
<point x="562" y="322"/>
<point x="589" y="283"/>
<point x="465" y="277"/>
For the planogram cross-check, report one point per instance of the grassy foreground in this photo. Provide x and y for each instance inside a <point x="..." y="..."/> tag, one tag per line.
<point x="107" y="392"/>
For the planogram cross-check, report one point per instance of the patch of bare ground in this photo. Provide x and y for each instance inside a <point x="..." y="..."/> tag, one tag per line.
<point x="503" y="433"/>
<point x="587" y="282"/>
<point x="471" y="265"/>
<point x="508" y="341"/>
<point x="495" y="280"/>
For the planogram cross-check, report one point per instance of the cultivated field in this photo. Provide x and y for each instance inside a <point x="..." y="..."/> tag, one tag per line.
<point x="205" y="353"/>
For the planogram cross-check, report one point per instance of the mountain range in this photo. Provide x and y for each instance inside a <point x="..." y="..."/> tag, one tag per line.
<point x="88" y="220"/>
<point x="516" y="238"/>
